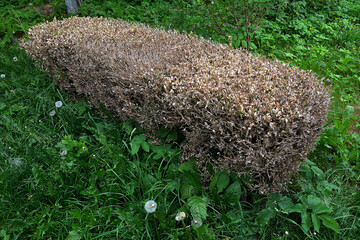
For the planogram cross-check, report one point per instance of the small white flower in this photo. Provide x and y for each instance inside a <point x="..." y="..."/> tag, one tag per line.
<point x="15" y="59"/>
<point x="84" y="148"/>
<point x="180" y="216"/>
<point x="286" y="232"/>
<point x="196" y="222"/>
<point x="58" y="104"/>
<point x="52" y="113"/>
<point x="150" y="206"/>
<point x="63" y="153"/>
<point x="2" y="75"/>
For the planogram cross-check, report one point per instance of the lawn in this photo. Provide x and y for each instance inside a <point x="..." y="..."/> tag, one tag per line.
<point x="69" y="171"/>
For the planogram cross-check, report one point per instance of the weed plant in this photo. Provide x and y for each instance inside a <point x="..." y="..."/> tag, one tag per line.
<point x="71" y="172"/>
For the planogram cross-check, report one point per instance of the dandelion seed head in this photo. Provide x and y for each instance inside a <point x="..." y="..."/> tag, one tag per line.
<point x="63" y="153"/>
<point x="17" y="162"/>
<point x="286" y="232"/>
<point x="2" y="75"/>
<point x="180" y="216"/>
<point x="58" y="104"/>
<point x="150" y="206"/>
<point x="52" y="113"/>
<point x="196" y="222"/>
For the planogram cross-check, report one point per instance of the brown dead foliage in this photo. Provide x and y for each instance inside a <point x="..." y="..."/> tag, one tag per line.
<point x="238" y="111"/>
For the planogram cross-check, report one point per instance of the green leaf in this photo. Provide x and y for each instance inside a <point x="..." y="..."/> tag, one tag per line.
<point x="244" y="44"/>
<point x="136" y="142"/>
<point x="346" y="119"/>
<point x="100" y="173"/>
<point x="321" y="208"/>
<point x="139" y="139"/>
<point x="354" y="155"/>
<point x="315" y="221"/>
<point x="162" y="133"/>
<point x="223" y="181"/>
<point x="189" y="169"/>
<point x="4" y="235"/>
<point x="348" y="112"/>
<point x="318" y="172"/>
<point x="81" y="107"/>
<point x="148" y="181"/>
<point x="313" y="201"/>
<point x="160" y="151"/>
<point x="198" y="207"/>
<point x="172" y="136"/>
<point x="187" y="190"/>
<point x="134" y="149"/>
<point x="310" y="163"/>
<point x="264" y="216"/>
<point x="299" y="208"/>
<point x="305" y="221"/>
<point x="317" y="205"/>
<point x="73" y="235"/>
<point x="285" y="203"/>
<point x="237" y="43"/>
<point x="233" y="193"/>
<point x="76" y="213"/>
<point x="127" y="126"/>
<point x="329" y="222"/>
<point x="213" y="184"/>
<point x="145" y="146"/>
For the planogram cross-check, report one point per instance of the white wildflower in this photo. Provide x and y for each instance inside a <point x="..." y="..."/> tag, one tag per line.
<point x="52" y="113"/>
<point x="2" y="75"/>
<point x="15" y="59"/>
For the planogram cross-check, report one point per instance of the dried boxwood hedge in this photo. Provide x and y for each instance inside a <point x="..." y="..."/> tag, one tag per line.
<point x="237" y="111"/>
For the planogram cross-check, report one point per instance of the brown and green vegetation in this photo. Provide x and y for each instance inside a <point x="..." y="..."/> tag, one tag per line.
<point x="71" y="171"/>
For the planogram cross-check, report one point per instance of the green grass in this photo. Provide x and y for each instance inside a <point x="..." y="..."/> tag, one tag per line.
<point x="97" y="190"/>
